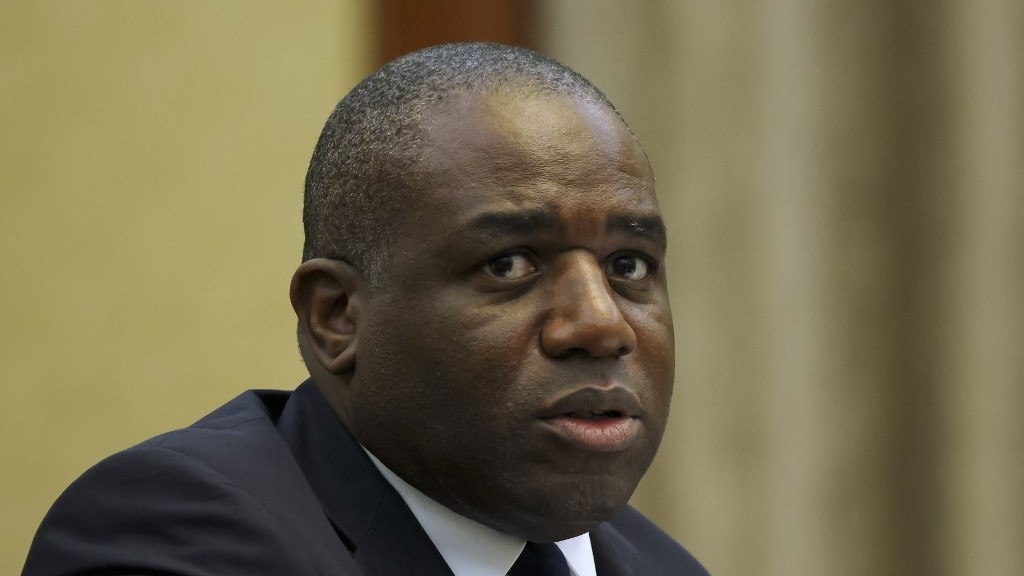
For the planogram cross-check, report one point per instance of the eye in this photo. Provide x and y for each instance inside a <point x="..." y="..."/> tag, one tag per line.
<point x="510" y="267"/>
<point x="630" y="267"/>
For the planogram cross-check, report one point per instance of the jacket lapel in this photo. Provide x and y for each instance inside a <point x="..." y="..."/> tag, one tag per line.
<point x="368" y="514"/>
<point x="613" y="554"/>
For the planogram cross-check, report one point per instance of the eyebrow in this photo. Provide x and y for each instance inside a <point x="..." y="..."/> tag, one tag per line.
<point x="524" y="223"/>
<point x="650" y="227"/>
<point x="519" y="223"/>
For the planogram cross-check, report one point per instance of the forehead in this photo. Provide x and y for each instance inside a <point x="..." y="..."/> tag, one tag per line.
<point x="536" y="151"/>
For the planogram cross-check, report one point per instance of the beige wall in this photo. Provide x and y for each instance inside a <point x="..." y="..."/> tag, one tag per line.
<point x="843" y="181"/>
<point x="844" y="185"/>
<point x="151" y="164"/>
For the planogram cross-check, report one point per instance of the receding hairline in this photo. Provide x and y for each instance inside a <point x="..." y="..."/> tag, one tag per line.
<point x="466" y="106"/>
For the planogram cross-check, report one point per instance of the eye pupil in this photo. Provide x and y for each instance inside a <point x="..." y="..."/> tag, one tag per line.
<point x="630" y="268"/>
<point x="625" y="266"/>
<point x="501" y="265"/>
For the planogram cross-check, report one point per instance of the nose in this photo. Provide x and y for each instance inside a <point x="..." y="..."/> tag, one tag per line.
<point x="583" y="315"/>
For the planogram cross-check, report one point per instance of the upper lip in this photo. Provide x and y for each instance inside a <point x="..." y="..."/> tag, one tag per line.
<point x="594" y="401"/>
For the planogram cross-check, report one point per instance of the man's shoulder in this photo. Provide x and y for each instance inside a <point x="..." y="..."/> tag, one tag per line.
<point x="242" y="428"/>
<point x="631" y="539"/>
<point x="223" y="495"/>
<point x="231" y="442"/>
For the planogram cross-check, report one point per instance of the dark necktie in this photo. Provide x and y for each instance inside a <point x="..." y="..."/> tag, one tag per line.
<point x="540" y="560"/>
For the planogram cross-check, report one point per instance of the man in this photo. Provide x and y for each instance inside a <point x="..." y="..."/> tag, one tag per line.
<point x="482" y="307"/>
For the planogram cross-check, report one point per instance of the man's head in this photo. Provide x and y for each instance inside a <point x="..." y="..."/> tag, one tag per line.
<point x="508" y="351"/>
<point x="364" y="167"/>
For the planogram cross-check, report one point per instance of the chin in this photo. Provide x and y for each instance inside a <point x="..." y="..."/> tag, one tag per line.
<point x="577" y="508"/>
<point x="561" y="527"/>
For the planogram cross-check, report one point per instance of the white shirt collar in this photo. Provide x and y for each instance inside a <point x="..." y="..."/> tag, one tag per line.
<point x="470" y="548"/>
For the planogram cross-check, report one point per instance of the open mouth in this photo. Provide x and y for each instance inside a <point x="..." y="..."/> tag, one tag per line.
<point x="595" y="418"/>
<point x="603" y="431"/>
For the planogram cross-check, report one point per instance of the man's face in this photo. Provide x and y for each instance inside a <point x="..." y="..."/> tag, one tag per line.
<point x="517" y="365"/>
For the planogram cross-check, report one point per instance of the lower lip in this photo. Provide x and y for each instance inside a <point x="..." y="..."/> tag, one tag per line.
<point x="600" y="435"/>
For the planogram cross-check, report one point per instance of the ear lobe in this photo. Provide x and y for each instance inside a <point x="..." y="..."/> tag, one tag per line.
<point x="327" y="296"/>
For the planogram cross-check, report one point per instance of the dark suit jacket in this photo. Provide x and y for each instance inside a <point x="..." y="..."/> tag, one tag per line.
<point x="272" y="483"/>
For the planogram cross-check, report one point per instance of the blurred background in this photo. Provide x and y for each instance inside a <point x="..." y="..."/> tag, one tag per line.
<point x="844" y="185"/>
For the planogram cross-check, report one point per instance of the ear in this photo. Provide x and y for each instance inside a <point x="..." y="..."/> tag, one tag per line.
<point x="327" y="296"/>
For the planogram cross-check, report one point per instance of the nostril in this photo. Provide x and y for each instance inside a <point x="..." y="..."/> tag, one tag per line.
<point x="575" y="329"/>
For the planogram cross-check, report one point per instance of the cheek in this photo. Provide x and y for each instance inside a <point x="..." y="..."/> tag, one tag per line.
<point x="454" y="357"/>
<point x="654" y="331"/>
<point x="655" y="358"/>
<point x="483" y="355"/>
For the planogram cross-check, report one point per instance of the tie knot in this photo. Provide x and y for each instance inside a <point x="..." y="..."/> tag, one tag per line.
<point x="540" y="560"/>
